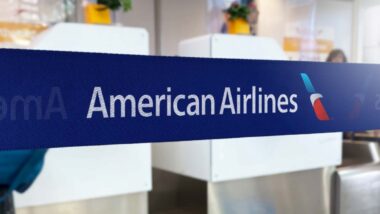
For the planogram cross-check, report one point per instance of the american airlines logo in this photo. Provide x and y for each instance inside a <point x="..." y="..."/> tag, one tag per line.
<point x="316" y="99"/>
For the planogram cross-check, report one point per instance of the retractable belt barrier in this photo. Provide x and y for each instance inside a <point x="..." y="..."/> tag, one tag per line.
<point x="58" y="99"/>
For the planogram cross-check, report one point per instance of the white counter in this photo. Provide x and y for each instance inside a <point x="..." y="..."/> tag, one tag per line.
<point x="228" y="159"/>
<point x="79" y="173"/>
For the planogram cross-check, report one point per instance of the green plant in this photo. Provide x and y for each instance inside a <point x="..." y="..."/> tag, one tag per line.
<point x="237" y="11"/>
<point x="116" y="4"/>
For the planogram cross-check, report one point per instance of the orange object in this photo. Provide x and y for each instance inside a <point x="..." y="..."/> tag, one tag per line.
<point x="238" y="26"/>
<point x="293" y="44"/>
<point x="97" y="14"/>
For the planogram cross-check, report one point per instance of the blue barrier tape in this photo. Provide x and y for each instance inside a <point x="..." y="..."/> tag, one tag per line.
<point x="57" y="99"/>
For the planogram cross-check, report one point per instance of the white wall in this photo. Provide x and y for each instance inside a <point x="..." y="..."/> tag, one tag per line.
<point x="272" y="19"/>
<point x="339" y="16"/>
<point x="335" y="14"/>
<point x="142" y="15"/>
<point x="364" y="27"/>
<point x="371" y="35"/>
<point x="180" y="19"/>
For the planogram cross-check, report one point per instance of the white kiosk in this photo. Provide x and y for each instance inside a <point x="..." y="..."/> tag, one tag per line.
<point x="81" y="173"/>
<point x="247" y="175"/>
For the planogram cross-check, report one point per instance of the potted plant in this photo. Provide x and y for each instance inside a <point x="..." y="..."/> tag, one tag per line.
<point x="237" y="19"/>
<point x="113" y="6"/>
<point x="116" y="4"/>
<point x="104" y="11"/>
